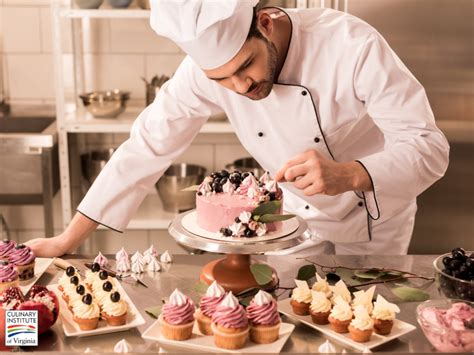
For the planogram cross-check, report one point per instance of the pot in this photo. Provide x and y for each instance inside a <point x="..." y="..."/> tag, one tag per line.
<point x="176" y="178"/>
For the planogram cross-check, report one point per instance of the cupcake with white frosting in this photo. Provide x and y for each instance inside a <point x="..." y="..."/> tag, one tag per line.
<point x="364" y="298"/>
<point x="383" y="315"/>
<point x="301" y="298"/>
<point x="86" y="312"/>
<point x="361" y="326"/>
<point x="321" y="285"/>
<point x="340" y="316"/>
<point x="320" y="308"/>
<point x="340" y="289"/>
<point x="114" y="309"/>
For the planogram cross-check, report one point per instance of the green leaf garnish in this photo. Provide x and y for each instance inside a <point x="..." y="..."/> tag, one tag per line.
<point x="262" y="273"/>
<point x="251" y="290"/>
<point x="267" y="218"/>
<point x="410" y="294"/>
<point x="201" y="287"/>
<point x="369" y="274"/>
<point x="306" y="272"/>
<point x="267" y="208"/>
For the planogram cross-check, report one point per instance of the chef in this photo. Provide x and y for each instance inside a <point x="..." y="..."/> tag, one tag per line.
<point x="316" y="96"/>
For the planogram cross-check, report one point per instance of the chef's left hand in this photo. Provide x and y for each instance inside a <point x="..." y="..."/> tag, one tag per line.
<point x="314" y="174"/>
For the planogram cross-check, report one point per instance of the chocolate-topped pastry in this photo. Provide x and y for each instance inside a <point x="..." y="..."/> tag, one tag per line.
<point x="103" y="275"/>
<point x="20" y="246"/>
<point x="4" y="262"/>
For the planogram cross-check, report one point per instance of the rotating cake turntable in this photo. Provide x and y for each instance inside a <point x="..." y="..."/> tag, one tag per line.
<point x="233" y="271"/>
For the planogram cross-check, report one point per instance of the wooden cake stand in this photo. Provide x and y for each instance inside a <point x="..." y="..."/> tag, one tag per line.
<point x="233" y="271"/>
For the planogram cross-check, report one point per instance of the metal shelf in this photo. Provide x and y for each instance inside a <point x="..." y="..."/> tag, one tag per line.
<point x="81" y="121"/>
<point x="150" y="215"/>
<point x="105" y="13"/>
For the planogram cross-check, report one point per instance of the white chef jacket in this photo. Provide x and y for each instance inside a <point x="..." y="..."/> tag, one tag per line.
<point x="342" y="91"/>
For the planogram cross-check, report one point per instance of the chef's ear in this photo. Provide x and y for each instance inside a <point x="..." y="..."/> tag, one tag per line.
<point x="265" y="23"/>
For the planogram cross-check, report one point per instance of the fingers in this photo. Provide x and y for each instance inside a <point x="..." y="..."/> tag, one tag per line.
<point x="298" y="170"/>
<point x="298" y="160"/>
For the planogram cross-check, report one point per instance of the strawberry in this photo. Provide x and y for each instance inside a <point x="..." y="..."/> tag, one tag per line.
<point x="45" y="316"/>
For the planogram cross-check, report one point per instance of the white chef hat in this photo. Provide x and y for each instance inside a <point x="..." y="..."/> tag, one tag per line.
<point x="211" y="32"/>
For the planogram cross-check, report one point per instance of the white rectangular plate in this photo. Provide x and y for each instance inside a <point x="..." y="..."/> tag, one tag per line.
<point x="399" y="328"/>
<point x="206" y="343"/>
<point x="71" y="328"/>
<point x="41" y="265"/>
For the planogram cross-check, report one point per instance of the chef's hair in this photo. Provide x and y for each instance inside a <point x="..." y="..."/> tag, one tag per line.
<point x="254" y="32"/>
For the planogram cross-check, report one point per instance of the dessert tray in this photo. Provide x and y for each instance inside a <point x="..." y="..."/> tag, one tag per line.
<point x="41" y="265"/>
<point x="189" y="222"/>
<point x="399" y="328"/>
<point x="205" y="343"/>
<point x="71" y="328"/>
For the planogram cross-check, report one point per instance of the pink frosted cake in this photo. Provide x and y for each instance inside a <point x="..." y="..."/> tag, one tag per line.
<point x="225" y="202"/>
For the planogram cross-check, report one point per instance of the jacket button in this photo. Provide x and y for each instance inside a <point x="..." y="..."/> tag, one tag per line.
<point x="316" y="140"/>
<point x="304" y="92"/>
<point x="260" y="134"/>
<point x="306" y="207"/>
<point x="361" y="204"/>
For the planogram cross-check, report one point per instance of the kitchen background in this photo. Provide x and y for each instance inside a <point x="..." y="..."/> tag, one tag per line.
<point x="433" y="37"/>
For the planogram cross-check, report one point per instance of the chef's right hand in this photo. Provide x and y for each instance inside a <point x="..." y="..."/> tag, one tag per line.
<point x="48" y="247"/>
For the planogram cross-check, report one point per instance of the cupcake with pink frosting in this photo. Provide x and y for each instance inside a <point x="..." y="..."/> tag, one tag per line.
<point x="177" y="317"/>
<point x="8" y="275"/>
<point x="230" y="324"/>
<point x="24" y="260"/>
<point x="264" y="319"/>
<point x="214" y="295"/>
<point x="6" y="246"/>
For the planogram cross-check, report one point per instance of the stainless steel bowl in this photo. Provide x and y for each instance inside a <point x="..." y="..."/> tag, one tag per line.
<point x="246" y="164"/>
<point x="93" y="162"/>
<point x="144" y="4"/>
<point x="105" y="104"/>
<point x="176" y="178"/>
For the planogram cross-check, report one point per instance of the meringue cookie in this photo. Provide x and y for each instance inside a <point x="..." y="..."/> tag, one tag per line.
<point x="122" y="346"/>
<point x="154" y="265"/>
<point x="101" y="259"/>
<point x="123" y="265"/>
<point x="138" y="266"/>
<point x="121" y="254"/>
<point x="327" y="348"/>
<point x="166" y="257"/>
<point x="136" y="256"/>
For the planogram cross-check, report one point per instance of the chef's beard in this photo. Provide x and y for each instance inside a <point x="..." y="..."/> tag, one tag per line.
<point x="267" y="83"/>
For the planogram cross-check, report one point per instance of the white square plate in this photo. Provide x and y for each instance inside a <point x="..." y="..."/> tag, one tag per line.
<point x="41" y="265"/>
<point x="206" y="342"/>
<point x="399" y="328"/>
<point x="71" y="328"/>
